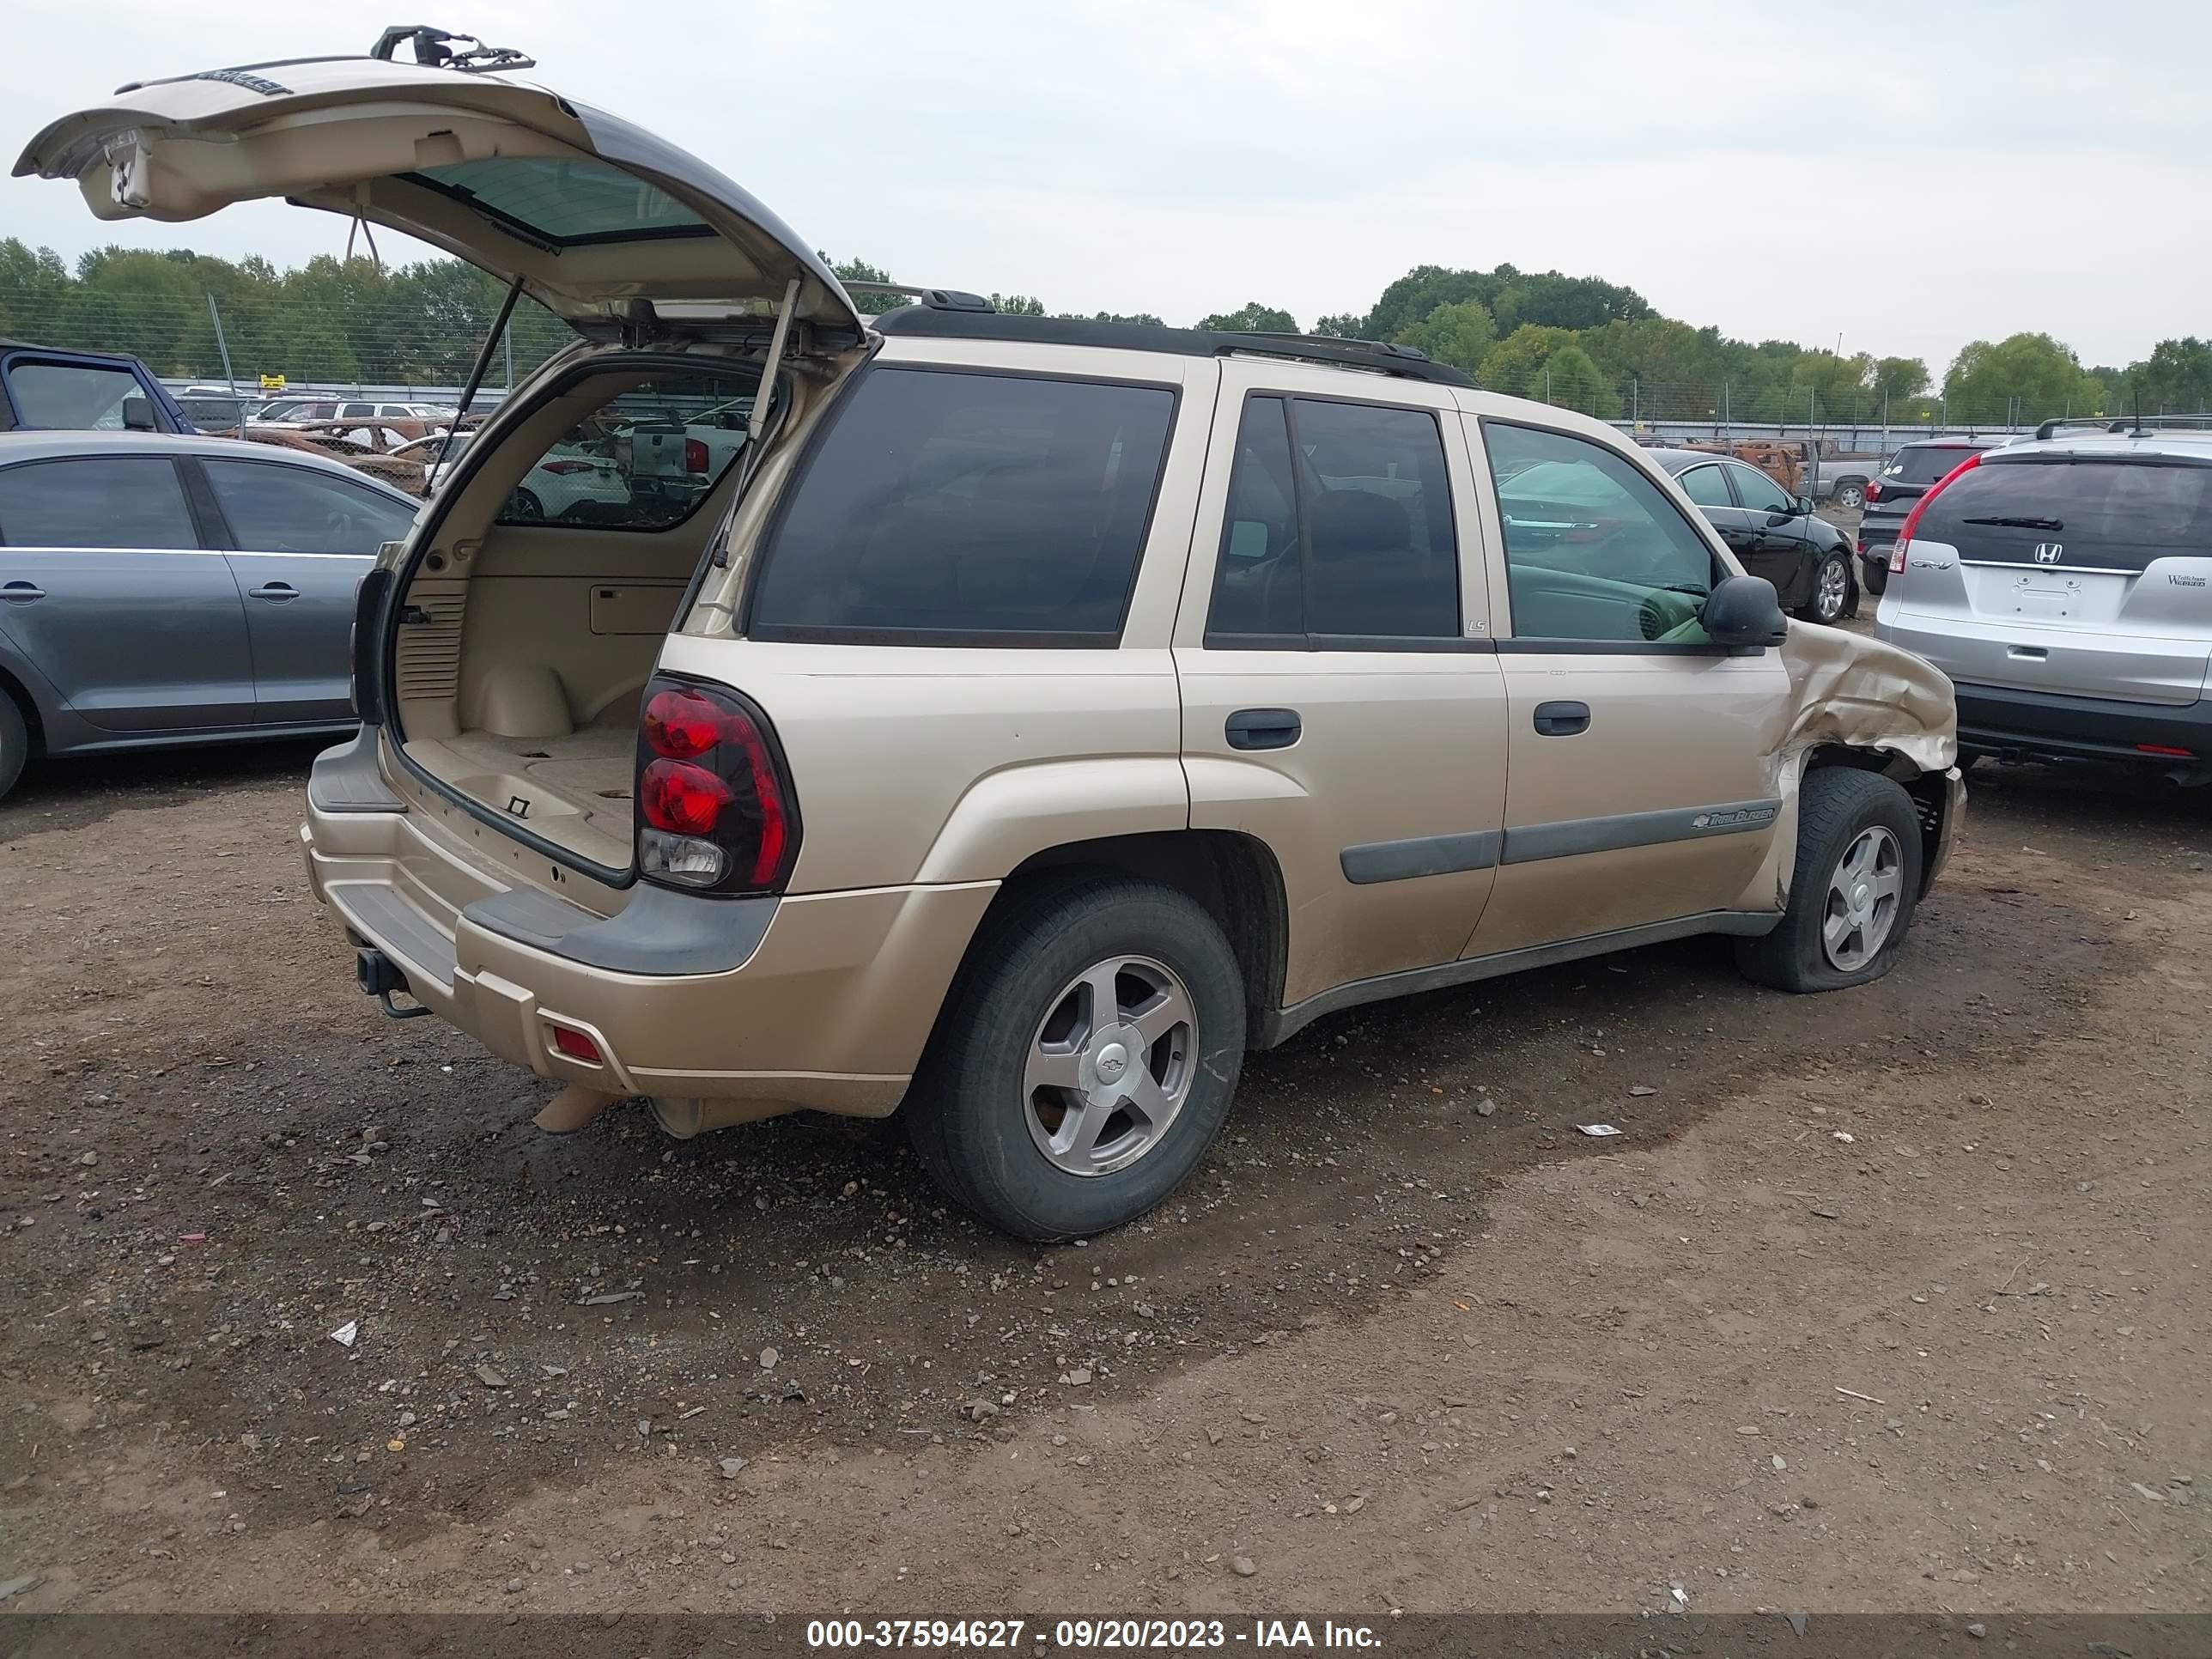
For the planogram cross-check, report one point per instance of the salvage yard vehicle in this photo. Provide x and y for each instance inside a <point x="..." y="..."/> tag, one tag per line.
<point x="1771" y="532"/>
<point x="2064" y="583"/>
<point x="1031" y="715"/>
<point x="1911" y="473"/>
<point x="164" y="590"/>
<point x="51" y="388"/>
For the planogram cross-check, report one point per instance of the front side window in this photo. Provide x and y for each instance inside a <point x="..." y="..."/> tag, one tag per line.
<point x="942" y="507"/>
<point x="276" y="508"/>
<point x="1339" y="528"/>
<point x="1758" y="491"/>
<point x="1593" y="549"/>
<point x="110" y="501"/>
<point x="642" y="460"/>
<point x="69" y="396"/>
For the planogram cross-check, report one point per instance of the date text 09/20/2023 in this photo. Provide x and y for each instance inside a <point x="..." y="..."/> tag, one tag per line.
<point x="1088" y="1635"/>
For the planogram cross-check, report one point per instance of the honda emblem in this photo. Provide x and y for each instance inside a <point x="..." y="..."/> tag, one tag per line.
<point x="2048" y="552"/>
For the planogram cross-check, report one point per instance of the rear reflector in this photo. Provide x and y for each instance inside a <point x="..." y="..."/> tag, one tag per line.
<point x="575" y="1045"/>
<point x="2165" y="749"/>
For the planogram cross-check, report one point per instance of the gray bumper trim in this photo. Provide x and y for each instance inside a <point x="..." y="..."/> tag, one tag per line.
<point x="348" y="779"/>
<point x="658" y="932"/>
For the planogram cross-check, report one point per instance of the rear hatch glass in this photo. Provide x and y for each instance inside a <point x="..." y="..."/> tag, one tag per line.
<point x="1922" y="465"/>
<point x="2075" y="515"/>
<point x="2089" y="576"/>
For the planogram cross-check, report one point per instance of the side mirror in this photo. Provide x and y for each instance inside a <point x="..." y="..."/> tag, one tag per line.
<point x="138" y="414"/>
<point x="1744" y="613"/>
<point x="1804" y="505"/>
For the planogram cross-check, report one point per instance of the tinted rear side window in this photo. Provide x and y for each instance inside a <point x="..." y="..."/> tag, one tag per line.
<point x="122" y="500"/>
<point x="944" y="507"/>
<point x="2115" y="514"/>
<point x="1924" y="466"/>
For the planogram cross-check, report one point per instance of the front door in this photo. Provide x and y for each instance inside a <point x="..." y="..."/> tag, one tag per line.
<point x="1641" y="789"/>
<point x="1780" y="547"/>
<point x="1341" y="699"/>
<point x="301" y="539"/>
<point x="1707" y="486"/>
<point x="104" y="585"/>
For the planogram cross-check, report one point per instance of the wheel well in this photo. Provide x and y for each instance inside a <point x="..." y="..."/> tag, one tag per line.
<point x="1235" y="876"/>
<point x="1930" y="799"/>
<point x="16" y="691"/>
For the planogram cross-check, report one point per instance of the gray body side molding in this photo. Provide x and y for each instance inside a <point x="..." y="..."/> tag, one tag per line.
<point x="1286" y="1022"/>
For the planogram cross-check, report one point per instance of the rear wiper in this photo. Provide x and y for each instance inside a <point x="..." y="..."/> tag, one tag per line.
<point x="2004" y="523"/>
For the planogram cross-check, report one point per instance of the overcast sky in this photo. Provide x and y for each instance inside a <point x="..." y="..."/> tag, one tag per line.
<point x="1909" y="178"/>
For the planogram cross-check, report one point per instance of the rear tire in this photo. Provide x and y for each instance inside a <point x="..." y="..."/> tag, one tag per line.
<point x="1048" y="1115"/>
<point x="524" y="507"/>
<point x="15" y="744"/>
<point x="1854" y="888"/>
<point x="1851" y="493"/>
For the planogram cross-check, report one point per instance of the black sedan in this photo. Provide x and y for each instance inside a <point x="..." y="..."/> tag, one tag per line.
<point x="1771" y="532"/>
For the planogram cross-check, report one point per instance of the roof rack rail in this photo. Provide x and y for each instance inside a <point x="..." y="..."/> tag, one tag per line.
<point x="1330" y="340"/>
<point x="434" y="50"/>
<point x="939" y="321"/>
<point x="2123" y="423"/>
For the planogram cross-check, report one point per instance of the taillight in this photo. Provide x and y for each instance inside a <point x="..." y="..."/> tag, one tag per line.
<point x="695" y="455"/>
<point x="564" y="467"/>
<point x="1874" y="489"/>
<point x="1912" y="519"/>
<point x="714" y="807"/>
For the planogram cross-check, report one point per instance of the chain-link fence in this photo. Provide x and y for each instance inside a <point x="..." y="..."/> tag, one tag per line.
<point x="417" y="332"/>
<point x="406" y="345"/>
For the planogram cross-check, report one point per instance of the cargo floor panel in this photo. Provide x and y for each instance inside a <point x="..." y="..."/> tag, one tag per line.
<point x="574" y="790"/>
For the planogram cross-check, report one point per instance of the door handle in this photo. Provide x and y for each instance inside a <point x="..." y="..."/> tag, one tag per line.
<point x="1263" y="728"/>
<point x="274" y="593"/>
<point x="22" y="592"/>
<point x="1562" y="720"/>
<point x="2029" y="653"/>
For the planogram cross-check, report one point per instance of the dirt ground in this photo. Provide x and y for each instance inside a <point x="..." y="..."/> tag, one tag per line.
<point x="1893" y="1299"/>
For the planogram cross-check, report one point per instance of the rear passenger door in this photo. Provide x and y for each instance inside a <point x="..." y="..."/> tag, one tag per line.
<point x="1341" y="700"/>
<point x="299" y="540"/>
<point x="1641" y="789"/>
<point x="1707" y="486"/>
<point x="104" y="585"/>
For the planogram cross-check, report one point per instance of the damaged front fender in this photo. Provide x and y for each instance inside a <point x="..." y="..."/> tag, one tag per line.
<point x="1897" y="710"/>
<point x="1864" y="694"/>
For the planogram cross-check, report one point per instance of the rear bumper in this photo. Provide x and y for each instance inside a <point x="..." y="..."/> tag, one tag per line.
<point x="2000" y="721"/>
<point x="753" y="1007"/>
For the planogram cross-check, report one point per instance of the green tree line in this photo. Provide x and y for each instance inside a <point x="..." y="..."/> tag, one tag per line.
<point x="1579" y="342"/>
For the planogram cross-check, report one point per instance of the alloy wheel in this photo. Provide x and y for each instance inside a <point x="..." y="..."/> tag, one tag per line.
<point x="1110" y="1066"/>
<point x="1862" y="897"/>
<point x="1835" y="589"/>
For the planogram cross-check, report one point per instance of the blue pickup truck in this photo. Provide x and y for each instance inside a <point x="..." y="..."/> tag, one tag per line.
<point x="53" y="387"/>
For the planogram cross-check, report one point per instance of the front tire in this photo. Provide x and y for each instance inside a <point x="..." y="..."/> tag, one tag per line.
<point x="1832" y="598"/>
<point x="1085" y="1059"/>
<point x="1856" y="886"/>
